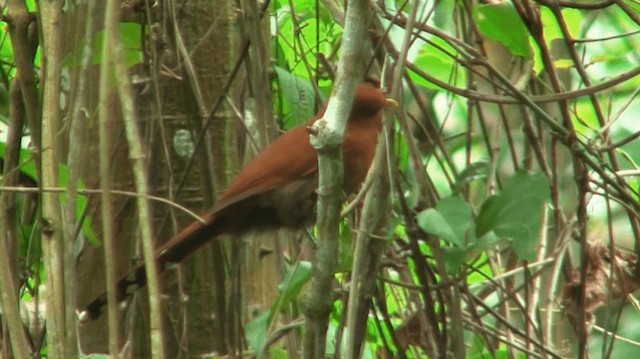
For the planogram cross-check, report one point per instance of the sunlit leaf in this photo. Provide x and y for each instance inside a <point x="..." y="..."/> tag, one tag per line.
<point x="438" y="60"/>
<point x="501" y="22"/>
<point x="552" y="31"/>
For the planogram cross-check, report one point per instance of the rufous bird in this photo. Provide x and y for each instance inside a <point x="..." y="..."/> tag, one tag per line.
<point x="277" y="189"/>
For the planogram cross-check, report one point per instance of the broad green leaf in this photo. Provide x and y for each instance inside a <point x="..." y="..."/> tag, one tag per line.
<point x="501" y="22"/>
<point x="437" y="59"/>
<point x="256" y="331"/>
<point x="295" y="278"/>
<point x="483" y="243"/>
<point x="299" y="95"/>
<point x="454" y="258"/>
<point x="552" y="31"/>
<point x="291" y="47"/>
<point x="516" y="213"/>
<point x="450" y="220"/>
<point x="130" y="34"/>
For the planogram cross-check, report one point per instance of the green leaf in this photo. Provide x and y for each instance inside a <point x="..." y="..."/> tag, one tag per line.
<point x="516" y="213"/>
<point x="130" y="34"/>
<point x="295" y="278"/>
<point x="95" y="356"/>
<point x="501" y="22"/>
<point x="551" y="28"/>
<point x="256" y="331"/>
<point x="277" y="353"/>
<point x="298" y="93"/>
<point x="454" y="258"/>
<point x="563" y="64"/>
<point x="488" y="241"/>
<point x="299" y="41"/>
<point x="28" y="168"/>
<point x="449" y="220"/>
<point x="438" y="59"/>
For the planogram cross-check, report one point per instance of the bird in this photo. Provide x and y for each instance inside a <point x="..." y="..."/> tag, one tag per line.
<point x="277" y="189"/>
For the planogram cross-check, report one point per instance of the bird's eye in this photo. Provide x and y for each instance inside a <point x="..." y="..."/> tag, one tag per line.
<point x="367" y="111"/>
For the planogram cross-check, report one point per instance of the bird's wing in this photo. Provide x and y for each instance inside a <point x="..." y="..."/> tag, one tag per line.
<point x="288" y="159"/>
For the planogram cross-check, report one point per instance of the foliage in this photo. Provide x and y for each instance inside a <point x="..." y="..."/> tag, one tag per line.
<point x="27" y="168"/>
<point x="514" y="153"/>
<point x="130" y="33"/>
<point x="519" y="210"/>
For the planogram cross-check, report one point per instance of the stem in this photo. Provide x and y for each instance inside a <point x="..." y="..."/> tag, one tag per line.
<point x="327" y="140"/>
<point x="141" y="176"/>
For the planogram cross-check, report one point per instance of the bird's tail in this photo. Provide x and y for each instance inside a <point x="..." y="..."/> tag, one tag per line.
<point x="177" y="249"/>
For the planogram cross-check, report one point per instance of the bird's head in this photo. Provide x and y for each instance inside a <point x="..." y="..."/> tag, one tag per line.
<point x="368" y="102"/>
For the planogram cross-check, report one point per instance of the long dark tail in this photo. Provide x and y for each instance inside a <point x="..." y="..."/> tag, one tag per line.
<point x="177" y="249"/>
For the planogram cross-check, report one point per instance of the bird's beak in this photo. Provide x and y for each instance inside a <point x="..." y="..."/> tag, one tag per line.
<point x="391" y="103"/>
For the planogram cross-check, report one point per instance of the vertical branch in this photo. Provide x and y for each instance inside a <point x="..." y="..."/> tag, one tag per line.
<point x="24" y="104"/>
<point x="368" y="250"/>
<point x="327" y="138"/>
<point x="104" y="116"/>
<point x="78" y="122"/>
<point x="18" y="20"/>
<point x="60" y="312"/>
<point x="8" y="293"/>
<point x="107" y="212"/>
<point x="21" y="89"/>
<point x="258" y="73"/>
<point x="24" y="49"/>
<point x="113" y="43"/>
